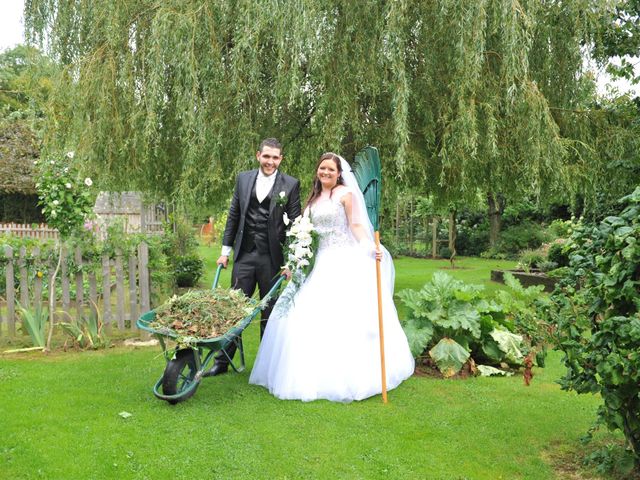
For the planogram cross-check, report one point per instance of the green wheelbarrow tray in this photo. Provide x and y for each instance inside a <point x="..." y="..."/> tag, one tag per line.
<point x="186" y="367"/>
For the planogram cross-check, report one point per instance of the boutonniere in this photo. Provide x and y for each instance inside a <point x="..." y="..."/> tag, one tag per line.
<point x="282" y="199"/>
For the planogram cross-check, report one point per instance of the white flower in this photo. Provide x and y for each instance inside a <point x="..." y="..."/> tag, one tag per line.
<point x="54" y="214"/>
<point x="52" y="162"/>
<point x="282" y="194"/>
<point x="66" y="169"/>
<point x="70" y="154"/>
<point x="88" y="182"/>
<point x="285" y="218"/>
<point x="56" y="202"/>
<point x="35" y="162"/>
<point x="68" y="185"/>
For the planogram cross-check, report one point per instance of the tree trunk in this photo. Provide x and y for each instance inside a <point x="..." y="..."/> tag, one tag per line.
<point x="452" y="236"/>
<point x="496" y="205"/>
<point x="397" y="224"/>
<point x="434" y="237"/>
<point x="411" y="250"/>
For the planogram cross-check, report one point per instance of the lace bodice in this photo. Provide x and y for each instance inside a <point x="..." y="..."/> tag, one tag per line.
<point x="330" y="221"/>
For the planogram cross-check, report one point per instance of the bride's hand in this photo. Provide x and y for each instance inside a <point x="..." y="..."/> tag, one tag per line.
<point x="287" y="273"/>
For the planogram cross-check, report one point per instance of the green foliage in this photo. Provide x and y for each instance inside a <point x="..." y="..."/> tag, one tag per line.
<point x="34" y="321"/>
<point x="557" y="253"/>
<point x="526" y="235"/>
<point x="188" y="270"/>
<point x="449" y="356"/>
<point x="65" y="197"/>
<point x="530" y="259"/>
<point x="598" y="325"/>
<point x="560" y="228"/>
<point x="478" y="113"/>
<point x="88" y="332"/>
<point x="503" y="328"/>
<point x="547" y="265"/>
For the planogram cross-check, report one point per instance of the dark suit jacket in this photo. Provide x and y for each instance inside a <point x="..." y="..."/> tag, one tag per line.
<point x="276" y="228"/>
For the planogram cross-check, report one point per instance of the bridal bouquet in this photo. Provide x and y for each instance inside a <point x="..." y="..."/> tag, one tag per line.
<point x="302" y="242"/>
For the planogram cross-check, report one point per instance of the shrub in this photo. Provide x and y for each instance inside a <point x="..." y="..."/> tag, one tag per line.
<point x="598" y="325"/>
<point x="472" y="240"/>
<point x="560" y="228"/>
<point x="559" y="272"/>
<point x="530" y="259"/>
<point x="188" y="270"/>
<point x="558" y="255"/>
<point x="546" y="266"/>
<point x="526" y="235"/>
<point x="454" y="321"/>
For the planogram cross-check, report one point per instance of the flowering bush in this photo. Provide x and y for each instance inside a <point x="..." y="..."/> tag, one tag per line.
<point x="302" y="241"/>
<point x="66" y="198"/>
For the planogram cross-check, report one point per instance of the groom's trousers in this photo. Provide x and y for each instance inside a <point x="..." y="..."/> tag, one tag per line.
<point x="250" y="270"/>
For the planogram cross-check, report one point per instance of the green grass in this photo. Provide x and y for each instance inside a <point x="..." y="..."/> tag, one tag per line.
<point x="60" y="419"/>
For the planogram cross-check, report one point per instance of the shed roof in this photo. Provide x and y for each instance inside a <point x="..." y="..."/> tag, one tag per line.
<point x="123" y="203"/>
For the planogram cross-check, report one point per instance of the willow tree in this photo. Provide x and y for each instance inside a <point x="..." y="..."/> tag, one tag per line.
<point x="172" y="97"/>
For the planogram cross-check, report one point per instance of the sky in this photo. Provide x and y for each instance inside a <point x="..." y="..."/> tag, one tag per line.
<point x="12" y="31"/>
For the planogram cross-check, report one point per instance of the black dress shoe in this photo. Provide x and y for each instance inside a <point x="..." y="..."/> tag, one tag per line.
<point x="217" y="369"/>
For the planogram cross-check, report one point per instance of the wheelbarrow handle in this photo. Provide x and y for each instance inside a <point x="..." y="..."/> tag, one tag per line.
<point x="217" y="277"/>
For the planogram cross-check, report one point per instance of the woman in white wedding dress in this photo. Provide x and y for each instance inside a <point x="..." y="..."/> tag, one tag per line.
<point x="322" y="340"/>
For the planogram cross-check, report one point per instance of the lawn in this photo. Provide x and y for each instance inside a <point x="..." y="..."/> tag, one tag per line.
<point x="60" y="418"/>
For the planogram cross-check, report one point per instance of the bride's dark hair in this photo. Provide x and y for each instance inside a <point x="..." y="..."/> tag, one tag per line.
<point x="317" y="186"/>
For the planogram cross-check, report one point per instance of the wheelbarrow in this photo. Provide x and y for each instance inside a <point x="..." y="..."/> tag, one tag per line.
<point x="186" y="366"/>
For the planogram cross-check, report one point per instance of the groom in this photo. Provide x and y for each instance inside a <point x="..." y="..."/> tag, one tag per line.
<point x="256" y="231"/>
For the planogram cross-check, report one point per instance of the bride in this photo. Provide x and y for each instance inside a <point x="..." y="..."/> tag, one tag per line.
<point x="322" y="339"/>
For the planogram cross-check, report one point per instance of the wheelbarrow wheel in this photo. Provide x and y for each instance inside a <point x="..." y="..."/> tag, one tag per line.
<point x="179" y="375"/>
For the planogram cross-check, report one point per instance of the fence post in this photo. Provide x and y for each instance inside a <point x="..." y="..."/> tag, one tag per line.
<point x="106" y="292"/>
<point x="119" y="290"/>
<point x="24" y="279"/>
<point x="11" y="293"/>
<point x="37" y="283"/>
<point x="93" y="292"/>
<point x="79" y="284"/>
<point x="143" y="274"/>
<point x="64" y="278"/>
<point x="133" y="295"/>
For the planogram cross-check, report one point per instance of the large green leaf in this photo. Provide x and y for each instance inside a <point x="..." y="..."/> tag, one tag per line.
<point x="418" y="336"/>
<point x="449" y="356"/>
<point x="488" y="371"/>
<point x="509" y="343"/>
<point x="462" y="315"/>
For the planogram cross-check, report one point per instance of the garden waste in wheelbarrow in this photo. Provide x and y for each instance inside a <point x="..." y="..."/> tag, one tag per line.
<point x="186" y="366"/>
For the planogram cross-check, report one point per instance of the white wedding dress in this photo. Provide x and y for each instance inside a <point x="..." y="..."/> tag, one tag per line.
<point x="322" y="339"/>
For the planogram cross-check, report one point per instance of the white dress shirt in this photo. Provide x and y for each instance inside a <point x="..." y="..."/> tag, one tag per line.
<point x="264" y="184"/>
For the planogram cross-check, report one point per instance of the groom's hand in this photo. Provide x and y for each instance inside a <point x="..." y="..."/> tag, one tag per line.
<point x="222" y="260"/>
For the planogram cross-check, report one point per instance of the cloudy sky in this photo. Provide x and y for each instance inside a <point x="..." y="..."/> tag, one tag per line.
<point x="12" y="29"/>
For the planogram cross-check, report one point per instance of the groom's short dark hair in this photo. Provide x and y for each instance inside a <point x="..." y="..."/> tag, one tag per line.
<point x="270" y="142"/>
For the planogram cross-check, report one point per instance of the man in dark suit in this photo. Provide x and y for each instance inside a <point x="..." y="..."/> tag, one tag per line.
<point x="256" y="231"/>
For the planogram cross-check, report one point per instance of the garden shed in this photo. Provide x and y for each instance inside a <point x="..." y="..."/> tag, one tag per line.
<point x="130" y="209"/>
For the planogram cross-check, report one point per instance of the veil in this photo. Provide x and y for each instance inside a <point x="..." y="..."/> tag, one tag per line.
<point x="359" y="216"/>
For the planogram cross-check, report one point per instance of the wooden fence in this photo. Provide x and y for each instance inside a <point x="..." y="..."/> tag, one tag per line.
<point x="118" y="291"/>
<point x="41" y="231"/>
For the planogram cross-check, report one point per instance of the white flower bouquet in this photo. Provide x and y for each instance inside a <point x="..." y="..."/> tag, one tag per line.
<point x="301" y="243"/>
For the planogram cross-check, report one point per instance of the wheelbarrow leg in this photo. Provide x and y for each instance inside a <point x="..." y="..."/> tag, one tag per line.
<point x="240" y="346"/>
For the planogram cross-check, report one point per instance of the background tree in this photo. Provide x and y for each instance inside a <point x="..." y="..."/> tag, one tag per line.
<point x="173" y="97"/>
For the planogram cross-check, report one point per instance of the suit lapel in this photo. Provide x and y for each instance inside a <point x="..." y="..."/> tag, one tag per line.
<point x="249" y="189"/>
<point x="277" y="186"/>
